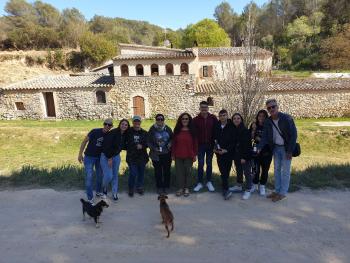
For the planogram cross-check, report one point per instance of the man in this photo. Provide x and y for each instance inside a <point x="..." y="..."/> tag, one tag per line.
<point x="223" y="147"/>
<point x="136" y="156"/>
<point x="91" y="159"/>
<point x="280" y="134"/>
<point x="204" y="123"/>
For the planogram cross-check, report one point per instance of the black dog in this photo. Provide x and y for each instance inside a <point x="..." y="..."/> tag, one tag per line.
<point x="93" y="210"/>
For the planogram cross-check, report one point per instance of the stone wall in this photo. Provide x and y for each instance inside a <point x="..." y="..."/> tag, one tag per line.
<point x="299" y="104"/>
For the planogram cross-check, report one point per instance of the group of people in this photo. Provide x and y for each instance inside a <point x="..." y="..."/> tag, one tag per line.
<point x="272" y="135"/>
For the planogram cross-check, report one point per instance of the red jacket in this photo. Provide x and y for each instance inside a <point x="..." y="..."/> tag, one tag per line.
<point x="184" y="145"/>
<point x="204" y="128"/>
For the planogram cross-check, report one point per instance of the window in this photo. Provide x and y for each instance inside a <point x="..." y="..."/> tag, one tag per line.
<point x="19" y="106"/>
<point x="139" y="70"/>
<point x="100" y="96"/>
<point x="124" y="70"/>
<point x="205" y="71"/>
<point x="184" y="68"/>
<point x="210" y="101"/>
<point x="154" y="70"/>
<point x="169" y="69"/>
<point x="111" y="71"/>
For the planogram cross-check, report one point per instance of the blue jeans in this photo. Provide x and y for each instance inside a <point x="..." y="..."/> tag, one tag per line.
<point x="89" y="164"/>
<point x="206" y="151"/>
<point x="110" y="174"/>
<point x="282" y="170"/>
<point x="136" y="173"/>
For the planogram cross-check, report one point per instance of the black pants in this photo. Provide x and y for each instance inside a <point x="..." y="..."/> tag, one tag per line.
<point x="162" y="171"/>
<point x="245" y="169"/>
<point x="261" y="168"/>
<point x="225" y="164"/>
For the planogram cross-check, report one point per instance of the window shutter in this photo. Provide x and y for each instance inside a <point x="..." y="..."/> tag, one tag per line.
<point x="201" y="72"/>
<point x="210" y="71"/>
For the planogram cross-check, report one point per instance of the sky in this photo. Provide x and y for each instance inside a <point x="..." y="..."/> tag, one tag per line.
<point x="172" y="14"/>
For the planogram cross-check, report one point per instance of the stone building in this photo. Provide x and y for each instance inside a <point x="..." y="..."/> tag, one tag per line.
<point x="145" y="80"/>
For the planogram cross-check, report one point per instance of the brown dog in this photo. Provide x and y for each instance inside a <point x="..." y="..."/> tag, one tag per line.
<point x="167" y="215"/>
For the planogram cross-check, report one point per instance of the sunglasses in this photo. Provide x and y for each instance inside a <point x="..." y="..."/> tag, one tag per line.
<point x="159" y="119"/>
<point x="271" y="107"/>
<point x="107" y="124"/>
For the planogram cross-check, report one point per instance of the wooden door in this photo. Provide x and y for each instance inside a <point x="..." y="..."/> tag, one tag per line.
<point x="139" y="106"/>
<point x="50" y="104"/>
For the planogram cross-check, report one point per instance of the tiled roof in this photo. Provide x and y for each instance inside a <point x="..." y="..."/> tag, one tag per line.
<point x="170" y="54"/>
<point x="281" y="85"/>
<point x="153" y="48"/>
<point x="91" y="80"/>
<point x="228" y="51"/>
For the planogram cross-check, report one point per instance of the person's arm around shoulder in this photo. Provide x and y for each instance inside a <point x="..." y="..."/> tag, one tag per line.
<point x="150" y="139"/>
<point x="171" y="135"/>
<point x="195" y="148"/>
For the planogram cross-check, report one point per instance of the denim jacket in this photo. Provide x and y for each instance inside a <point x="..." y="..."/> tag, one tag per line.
<point x="287" y="127"/>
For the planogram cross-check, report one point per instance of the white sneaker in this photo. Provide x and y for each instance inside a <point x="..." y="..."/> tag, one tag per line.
<point x="210" y="187"/>
<point x="104" y="197"/>
<point x="198" y="187"/>
<point x="254" y="187"/>
<point x="246" y="195"/>
<point x="236" y="188"/>
<point x="262" y="190"/>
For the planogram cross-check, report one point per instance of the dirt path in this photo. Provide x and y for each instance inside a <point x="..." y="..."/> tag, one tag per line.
<point x="46" y="226"/>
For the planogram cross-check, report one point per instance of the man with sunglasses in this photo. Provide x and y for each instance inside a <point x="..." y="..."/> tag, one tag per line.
<point x="91" y="159"/>
<point x="280" y="134"/>
<point x="159" y="143"/>
<point x="204" y="123"/>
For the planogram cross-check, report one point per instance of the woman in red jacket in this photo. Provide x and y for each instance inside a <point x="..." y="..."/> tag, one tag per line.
<point x="184" y="152"/>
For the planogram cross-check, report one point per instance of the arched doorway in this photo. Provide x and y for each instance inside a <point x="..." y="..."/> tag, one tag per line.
<point x="139" y="106"/>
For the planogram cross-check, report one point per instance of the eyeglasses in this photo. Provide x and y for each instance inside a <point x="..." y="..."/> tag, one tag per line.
<point x="108" y="124"/>
<point x="271" y="107"/>
<point x="159" y="119"/>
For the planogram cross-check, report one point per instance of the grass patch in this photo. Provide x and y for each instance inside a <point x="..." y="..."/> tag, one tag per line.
<point x="44" y="154"/>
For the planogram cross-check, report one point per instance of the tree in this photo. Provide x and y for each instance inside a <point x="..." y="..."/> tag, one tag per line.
<point x="72" y="27"/>
<point x="48" y="16"/>
<point x="337" y="14"/>
<point x="335" y="50"/>
<point x="20" y="13"/>
<point x="206" y="33"/>
<point x="96" y="49"/>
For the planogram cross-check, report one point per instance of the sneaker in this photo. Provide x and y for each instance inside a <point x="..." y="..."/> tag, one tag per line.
<point x="98" y="194"/>
<point x="246" y="195"/>
<point x="115" y="197"/>
<point x="186" y="192"/>
<point x="272" y="195"/>
<point x="179" y="192"/>
<point x="262" y="190"/>
<point x="140" y="191"/>
<point x="104" y="197"/>
<point x="198" y="187"/>
<point x="236" y="188"/>
<point x="91" y="201"/>
<point x="210" y="187"/>
<point x="131" y="193"/>
<point x="254" y="187"/>
<point x="227" y="195"/>
<point x="278" y="197"/>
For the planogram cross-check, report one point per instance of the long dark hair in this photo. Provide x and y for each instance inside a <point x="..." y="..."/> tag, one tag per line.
<point x="120" y="123"/>
<point x="257" y="115"/>
<point x="179" y="125"/>
<point x="242" y="120"/>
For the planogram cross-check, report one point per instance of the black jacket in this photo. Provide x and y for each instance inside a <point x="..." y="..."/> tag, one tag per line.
<point x="133" y="155"/>
<point x="242" y="143"/>
<point x="288" y="129"/>
<point x="256" y="136"/>
<point x="224" y="137"/>
<point x="113" y="143"/>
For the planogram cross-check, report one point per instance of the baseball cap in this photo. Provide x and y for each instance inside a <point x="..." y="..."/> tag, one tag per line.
<point x="108" y="121"/>
<point x="136" y="118"/>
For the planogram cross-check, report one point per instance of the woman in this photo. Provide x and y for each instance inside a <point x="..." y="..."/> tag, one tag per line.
<point x="159" y="143"/>
<point x="242" y="155"/>
<point x="110" y="158"/>
<point x="184" y="152"/>
<point x="262" y="161"/>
